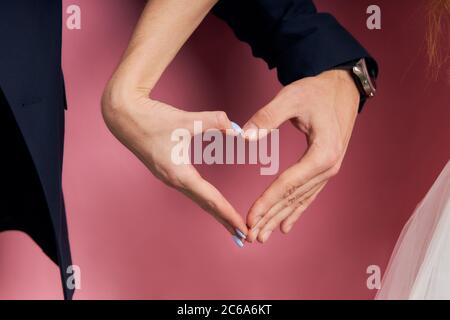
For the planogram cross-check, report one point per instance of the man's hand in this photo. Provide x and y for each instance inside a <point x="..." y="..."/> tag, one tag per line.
<point x="324" y="108"/>
<point x="145" y="127"/>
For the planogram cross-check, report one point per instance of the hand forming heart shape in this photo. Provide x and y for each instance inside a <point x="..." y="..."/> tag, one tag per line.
<point x="324" y="108"/>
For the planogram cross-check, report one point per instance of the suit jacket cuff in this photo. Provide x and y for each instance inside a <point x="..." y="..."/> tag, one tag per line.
<point x="324" y="48"/>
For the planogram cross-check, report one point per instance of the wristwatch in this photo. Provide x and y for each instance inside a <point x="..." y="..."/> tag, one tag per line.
<point x="365" y="81"/>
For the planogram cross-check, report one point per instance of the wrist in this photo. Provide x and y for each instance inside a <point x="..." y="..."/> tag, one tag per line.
<point x="120" y="103"/>
<point x="119" y="92"/>
<point x="346" y="82"/>
<point x="341" y="82"/>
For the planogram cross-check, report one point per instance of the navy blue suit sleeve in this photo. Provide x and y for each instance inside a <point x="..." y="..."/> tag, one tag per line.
<point x="292" y="36"/>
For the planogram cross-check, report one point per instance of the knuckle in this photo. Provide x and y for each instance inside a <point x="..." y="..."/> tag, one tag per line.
<point x="294" y="91"/>
<point x="335" y="169"/>
<point x="180" y="178"/>
<point x="296" y="201"/>
<point x="264" y="117"/>
<point x="327" y="153"/>
<point x="300" y="204"/>
<point x="166" y="175"/>
<point x="327" y="159"/>
<point x="331" y="157"/>
<point x="290" y="201"/>
<point x="210" y="206"/>
<point x="221" y="119"/>
<point x="288" y="187"/>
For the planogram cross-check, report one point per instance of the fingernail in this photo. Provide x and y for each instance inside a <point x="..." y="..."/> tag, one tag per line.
<point x="250" y="131"/>
<point x="254" y="233"/>
<point x="266" y="236"/>
<point x="288" y="228"/>
<point x="236" y="128"/>
<point x="238" y="241"/>
<point x="240" y="234"/>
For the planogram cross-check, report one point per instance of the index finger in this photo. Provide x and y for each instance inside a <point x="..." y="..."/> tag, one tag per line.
<point x="211" y="200"/>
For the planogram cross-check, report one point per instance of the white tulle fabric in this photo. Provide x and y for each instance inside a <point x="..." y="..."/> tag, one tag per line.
<point x="419" y="268"/>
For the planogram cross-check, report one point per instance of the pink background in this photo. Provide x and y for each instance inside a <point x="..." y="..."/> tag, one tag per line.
<point x="135" y="238"/>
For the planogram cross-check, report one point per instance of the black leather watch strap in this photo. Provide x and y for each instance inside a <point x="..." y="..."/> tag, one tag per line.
<point x="348" y="66"/>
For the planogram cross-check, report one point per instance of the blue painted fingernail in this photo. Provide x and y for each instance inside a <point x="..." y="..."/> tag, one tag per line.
<point x="238" y="241"/>
<point x="240" y="234"/>
<point x="236" y="127"/>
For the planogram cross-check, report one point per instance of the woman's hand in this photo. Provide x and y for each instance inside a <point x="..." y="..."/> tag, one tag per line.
<point x="145" y="127"/>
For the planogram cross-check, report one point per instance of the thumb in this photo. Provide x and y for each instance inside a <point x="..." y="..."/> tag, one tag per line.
<point x="210" y="120"/>
<point x="267" y="118"/>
